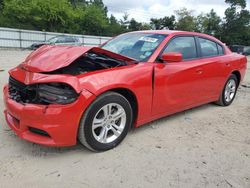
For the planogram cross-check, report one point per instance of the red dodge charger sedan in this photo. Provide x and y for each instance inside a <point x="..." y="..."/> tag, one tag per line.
<point x="96" y="94"/>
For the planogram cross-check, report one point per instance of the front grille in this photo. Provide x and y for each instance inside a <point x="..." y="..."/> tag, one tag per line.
<point x="20" y="92"/>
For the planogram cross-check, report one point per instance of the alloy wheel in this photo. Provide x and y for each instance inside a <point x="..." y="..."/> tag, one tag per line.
<point x="108" y="123"/>
<point x="230" y="90"/>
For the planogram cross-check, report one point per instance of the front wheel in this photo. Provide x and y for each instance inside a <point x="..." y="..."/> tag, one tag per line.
<point x="106" y="122"/>
<point x="228" y="94"/>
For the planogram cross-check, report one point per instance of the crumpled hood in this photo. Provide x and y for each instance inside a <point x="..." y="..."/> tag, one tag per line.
<point x="49" y="58"/>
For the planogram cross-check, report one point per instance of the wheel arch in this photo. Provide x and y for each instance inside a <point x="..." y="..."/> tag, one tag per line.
<point x="238" y="75"/>
<point x="130" y="96"/>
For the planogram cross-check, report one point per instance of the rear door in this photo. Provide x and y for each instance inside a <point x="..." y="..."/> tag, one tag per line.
<point x="215" y="65"/>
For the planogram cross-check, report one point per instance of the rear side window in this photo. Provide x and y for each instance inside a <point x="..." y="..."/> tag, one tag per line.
<point x="184" y="45"/>
<point x="210" y="48"/>
<point x="220" y="49"/>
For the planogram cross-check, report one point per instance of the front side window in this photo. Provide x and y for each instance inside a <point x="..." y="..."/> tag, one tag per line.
<point x="138" y="46"/>
<point x="184" y="45"/>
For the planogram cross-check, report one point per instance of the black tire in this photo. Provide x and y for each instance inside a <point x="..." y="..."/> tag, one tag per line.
<point x="85" y="134"/>
<point x="222" y="100"/>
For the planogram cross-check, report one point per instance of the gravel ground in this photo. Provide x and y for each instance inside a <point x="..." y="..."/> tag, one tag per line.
<point x="208" y="146"/>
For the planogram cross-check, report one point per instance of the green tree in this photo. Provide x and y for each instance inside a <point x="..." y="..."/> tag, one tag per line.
<point x="236" y="27"/>
<point x="90" y="17"/>
<point x="209" y="23"/>
<point x="49" y="15"/>
<point x="156" y="23"/>
<point x="70" y="16"/>
<point x="93" y="21"/>
<point x="163" y="23"/>
<point x="77" y="3"/>
<point x="145" y="26"/>
<point x="134" y="25"/>
<point x="100" y="4"/>
<point x="234" y="3"/>
<point x="114" y="27"/>
<point x="186" y="20"/>
<point x="169" y="22"/>
<point x="1" y="5"/>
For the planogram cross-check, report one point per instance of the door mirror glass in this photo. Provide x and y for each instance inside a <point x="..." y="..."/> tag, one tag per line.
<point x="171" y="57"/>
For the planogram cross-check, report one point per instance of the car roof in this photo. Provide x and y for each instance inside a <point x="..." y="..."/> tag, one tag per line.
<point x="173" y="32"/>
<point x="164" y="32"/>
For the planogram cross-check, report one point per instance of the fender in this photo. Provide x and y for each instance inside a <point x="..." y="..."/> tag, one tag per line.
<point x="136" y="78"/>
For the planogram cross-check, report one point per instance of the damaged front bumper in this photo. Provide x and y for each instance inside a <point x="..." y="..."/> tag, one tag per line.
<point x="51" y="125"/>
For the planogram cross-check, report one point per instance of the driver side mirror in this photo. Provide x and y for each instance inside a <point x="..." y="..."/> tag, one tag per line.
<point x="171" y="57"/>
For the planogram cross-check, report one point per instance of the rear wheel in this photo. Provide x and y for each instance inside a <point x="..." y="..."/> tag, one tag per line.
<point x="228" y="94"/>
<point x="106" y="122"/>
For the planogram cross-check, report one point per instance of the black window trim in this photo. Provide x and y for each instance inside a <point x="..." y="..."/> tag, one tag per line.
<point x="197" y="45"/>
<point x="223" y="51"/>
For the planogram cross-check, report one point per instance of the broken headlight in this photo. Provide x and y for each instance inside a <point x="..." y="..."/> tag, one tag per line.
<point x="56" y="93"/>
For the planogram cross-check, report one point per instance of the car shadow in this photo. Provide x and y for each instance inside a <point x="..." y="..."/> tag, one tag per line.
<point x="37" y="150"/>
<point x="182" y="114"/>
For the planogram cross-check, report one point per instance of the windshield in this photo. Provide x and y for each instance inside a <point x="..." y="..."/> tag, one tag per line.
<point x="139" y="46"/>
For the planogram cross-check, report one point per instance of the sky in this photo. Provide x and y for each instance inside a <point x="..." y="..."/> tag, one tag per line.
<point x="143" y="10"/>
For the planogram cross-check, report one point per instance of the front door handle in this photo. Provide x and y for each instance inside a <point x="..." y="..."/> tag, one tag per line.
<point x="228" y="64"/>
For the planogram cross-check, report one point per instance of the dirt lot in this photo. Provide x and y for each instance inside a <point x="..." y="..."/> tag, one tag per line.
<point x="208" y="146"/>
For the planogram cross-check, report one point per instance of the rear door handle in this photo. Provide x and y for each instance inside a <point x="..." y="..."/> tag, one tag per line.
<point x="228" y="64"/>
<point x="199" y="71"/>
